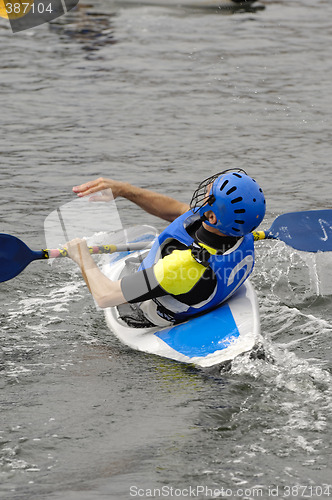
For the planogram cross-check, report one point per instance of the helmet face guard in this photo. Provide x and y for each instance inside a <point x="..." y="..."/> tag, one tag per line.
<point x="201" y="197"/>
<point x="236" y="200"/>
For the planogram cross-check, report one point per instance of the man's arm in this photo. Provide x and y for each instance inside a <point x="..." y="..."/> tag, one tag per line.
<point x="171" y="275"/>
<point x="157" y="204"/>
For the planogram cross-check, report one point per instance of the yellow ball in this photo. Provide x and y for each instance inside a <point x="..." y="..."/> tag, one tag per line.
<point x="3" y="12"/>
<point x="14" y="9"/>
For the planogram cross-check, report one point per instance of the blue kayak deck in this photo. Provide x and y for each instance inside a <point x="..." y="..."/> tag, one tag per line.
<point x="202" y="335"/>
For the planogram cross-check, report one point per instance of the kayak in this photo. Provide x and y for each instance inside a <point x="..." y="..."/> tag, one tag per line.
<point x="220" y="4"/>
<point x="213" y="338"/>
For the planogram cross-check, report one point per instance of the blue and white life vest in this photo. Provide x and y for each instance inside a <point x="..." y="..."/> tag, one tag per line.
<point x="231" y="269"/>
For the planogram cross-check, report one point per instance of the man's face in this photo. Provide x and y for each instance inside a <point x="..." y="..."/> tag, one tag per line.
<point x="208" y="193"/>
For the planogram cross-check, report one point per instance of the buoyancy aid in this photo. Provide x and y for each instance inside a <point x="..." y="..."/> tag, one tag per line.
<point x="231" y="268"/>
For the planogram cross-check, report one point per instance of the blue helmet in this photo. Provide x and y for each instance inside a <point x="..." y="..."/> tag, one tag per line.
<point x="236" y="200"/>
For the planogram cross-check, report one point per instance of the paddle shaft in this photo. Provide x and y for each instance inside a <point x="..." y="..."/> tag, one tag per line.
<point x="95" y="250"/>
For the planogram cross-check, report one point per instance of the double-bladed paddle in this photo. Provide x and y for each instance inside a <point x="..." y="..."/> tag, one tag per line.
<point x="15" y="255"/>
<point x="309" y="231"/>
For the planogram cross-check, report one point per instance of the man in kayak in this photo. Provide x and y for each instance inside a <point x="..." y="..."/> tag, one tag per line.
<point x="197" y="262"/>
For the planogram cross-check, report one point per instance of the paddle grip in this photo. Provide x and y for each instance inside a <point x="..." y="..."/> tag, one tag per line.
<point x="260" y="235"/>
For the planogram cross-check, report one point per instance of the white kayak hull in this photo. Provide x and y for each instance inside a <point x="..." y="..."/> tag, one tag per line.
<point x="207" y="340"/>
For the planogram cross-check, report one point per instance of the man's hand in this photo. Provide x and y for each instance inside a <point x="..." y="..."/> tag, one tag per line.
<point x="106" y="293"/>
<point x="78" y="251"/>
<point x="110" y="188"/>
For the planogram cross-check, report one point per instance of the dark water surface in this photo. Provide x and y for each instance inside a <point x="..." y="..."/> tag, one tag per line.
<point x="163" y="97"/>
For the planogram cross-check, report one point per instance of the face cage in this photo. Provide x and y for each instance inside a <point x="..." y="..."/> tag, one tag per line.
<point x="200" y="199"/>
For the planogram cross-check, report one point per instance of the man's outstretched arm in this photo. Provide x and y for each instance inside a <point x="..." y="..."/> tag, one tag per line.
<point x="154" y="203"/>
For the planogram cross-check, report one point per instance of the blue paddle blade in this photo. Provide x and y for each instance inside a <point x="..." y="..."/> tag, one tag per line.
<point x="15" y="256"/>
<point x="309" y="231"/>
